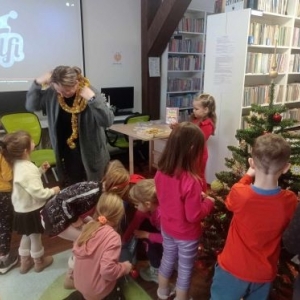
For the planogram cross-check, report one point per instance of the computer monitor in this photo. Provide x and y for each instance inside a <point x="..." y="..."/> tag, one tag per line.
<point x="12" y="101"/>
<point x="122" y="98"/>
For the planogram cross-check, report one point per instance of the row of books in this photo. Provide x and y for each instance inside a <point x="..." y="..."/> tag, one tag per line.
<point x="266" y="34"/>
<point x="186" y="45"/>
<point x="184" y="84"/>
<point x="185" y="63"/>
<point x="189" y="24"/>
<point x="185" y="115"/>
<point x="296" y="37"/>
<point x="258" y="63"/>
<point x="293" y="92"/>
<point x="261" y="94"/>
<point x="273" y="6"/>
<point x="293" y="114"/>
<point x="180" y="100"/>
<point x="294" y="64"/>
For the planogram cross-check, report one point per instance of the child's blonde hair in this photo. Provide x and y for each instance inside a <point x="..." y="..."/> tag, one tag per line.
<point x="116" y="179"/>
<point x="208" y="101"/>
<point x="111" y="207"/>
<point x="13" y="145"/>
<point x="143" y="191"/>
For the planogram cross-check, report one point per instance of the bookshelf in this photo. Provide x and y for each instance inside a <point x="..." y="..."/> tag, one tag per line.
<point x="183" y="63"/>
<point x="241" y="50"/>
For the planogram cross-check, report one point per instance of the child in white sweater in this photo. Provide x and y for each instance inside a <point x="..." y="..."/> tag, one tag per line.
<point x="28" y="197"/>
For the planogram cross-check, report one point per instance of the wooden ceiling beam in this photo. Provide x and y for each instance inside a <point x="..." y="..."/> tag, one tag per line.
<point x="164" y="24"/>
<point x="159" y="19"/>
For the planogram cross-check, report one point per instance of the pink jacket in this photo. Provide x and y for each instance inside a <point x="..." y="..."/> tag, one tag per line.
<point x="97" y="265"/>
<point x="182" y="206"/>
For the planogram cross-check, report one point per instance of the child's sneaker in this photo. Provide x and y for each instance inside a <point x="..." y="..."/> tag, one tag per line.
<point x="172" y="293"/>
<point x="149" y="274"/>
<point x="8" y="263"/>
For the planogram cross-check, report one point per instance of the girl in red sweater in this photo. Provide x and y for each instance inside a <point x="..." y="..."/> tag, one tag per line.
<point x="204" y="116"/>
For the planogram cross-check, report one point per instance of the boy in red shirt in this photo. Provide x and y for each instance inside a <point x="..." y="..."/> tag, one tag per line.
<point x="261" y="212"/>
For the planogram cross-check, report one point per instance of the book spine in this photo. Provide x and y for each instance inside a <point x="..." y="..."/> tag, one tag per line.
<point x="252" y="4"/>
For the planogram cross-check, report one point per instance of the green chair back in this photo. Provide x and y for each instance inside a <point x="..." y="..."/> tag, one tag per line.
<point x="121" y="141"/>
<point x="29" y="122"/>
<point x="137" y="118"/>
<point x="23" y="121"/>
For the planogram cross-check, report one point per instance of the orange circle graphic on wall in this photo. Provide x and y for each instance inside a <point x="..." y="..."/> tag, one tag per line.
<point x="117" y="56"/>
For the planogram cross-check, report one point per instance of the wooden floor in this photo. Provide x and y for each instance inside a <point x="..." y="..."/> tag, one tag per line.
<point x="201" y="278"/>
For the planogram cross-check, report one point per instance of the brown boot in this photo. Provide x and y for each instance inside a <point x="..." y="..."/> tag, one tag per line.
<point x="26" y="264"/>
<point x="42" y="262"/>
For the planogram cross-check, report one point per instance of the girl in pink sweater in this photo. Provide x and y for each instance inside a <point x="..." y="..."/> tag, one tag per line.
<point x="97" y="251"/>
<point x="182" y="204"/>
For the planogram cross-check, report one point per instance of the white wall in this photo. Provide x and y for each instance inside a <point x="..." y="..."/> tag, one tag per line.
<point x="112" y="27"/>
<point x="115" y="26"/>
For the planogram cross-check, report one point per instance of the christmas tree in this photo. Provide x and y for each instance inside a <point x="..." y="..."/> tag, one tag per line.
<point x="262" y="119"/>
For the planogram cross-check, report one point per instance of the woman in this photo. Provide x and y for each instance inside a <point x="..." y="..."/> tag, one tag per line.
<point x="77" y="117"/>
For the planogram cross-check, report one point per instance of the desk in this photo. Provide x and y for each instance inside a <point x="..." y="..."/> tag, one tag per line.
<point x="133" y="134"/>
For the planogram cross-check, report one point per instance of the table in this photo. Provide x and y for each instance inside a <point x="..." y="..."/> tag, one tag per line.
<point x="140" y="133"/>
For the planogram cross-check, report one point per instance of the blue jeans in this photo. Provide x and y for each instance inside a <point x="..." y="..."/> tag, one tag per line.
<point x="227" y="287"/>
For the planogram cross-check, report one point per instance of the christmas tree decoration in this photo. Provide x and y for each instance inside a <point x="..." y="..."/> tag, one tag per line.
<point x="277" y="117"/>
<point x="295" y="170"/>
<point x="134" y="273"/>
<point x="261" y="120"/>
<point x="217" y="186"/>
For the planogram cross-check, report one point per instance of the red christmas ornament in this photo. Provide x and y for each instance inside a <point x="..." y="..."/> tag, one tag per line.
<point x="134" y="273"/>
<point x="200" y="265"/>
<point x="277" y="117"/>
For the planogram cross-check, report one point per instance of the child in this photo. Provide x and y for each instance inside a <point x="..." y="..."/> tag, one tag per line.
<point x="204" y="116"/>
<point x="65" y="213"/>
<point x="97" y="250"/>
<point x="8" y="259"/>
<point x="261" y="211"/>
<point x="291" y="241"/>
<point x="143" y="195"/>
<point x="182" y="205"/>
<point x="28" y="197"/>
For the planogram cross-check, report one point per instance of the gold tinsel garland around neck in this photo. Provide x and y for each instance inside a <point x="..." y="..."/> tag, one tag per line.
<point x="78" y="106"/>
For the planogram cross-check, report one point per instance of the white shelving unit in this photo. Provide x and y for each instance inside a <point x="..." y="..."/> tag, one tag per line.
<point x="183" y="63"/>
<point x="240" y="49"/>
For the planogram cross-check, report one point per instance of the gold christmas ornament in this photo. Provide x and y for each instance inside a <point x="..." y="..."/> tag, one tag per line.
<point x="273" y="72"/>
<point x="295" y="170"/>
<point x="78" y="106"/>
<point x="217" y="186"/>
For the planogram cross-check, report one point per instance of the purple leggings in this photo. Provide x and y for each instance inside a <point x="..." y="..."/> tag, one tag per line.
<point x="185" y="253"/>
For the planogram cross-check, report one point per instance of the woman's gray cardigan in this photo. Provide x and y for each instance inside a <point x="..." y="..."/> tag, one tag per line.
<point x="92" y="123"/>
